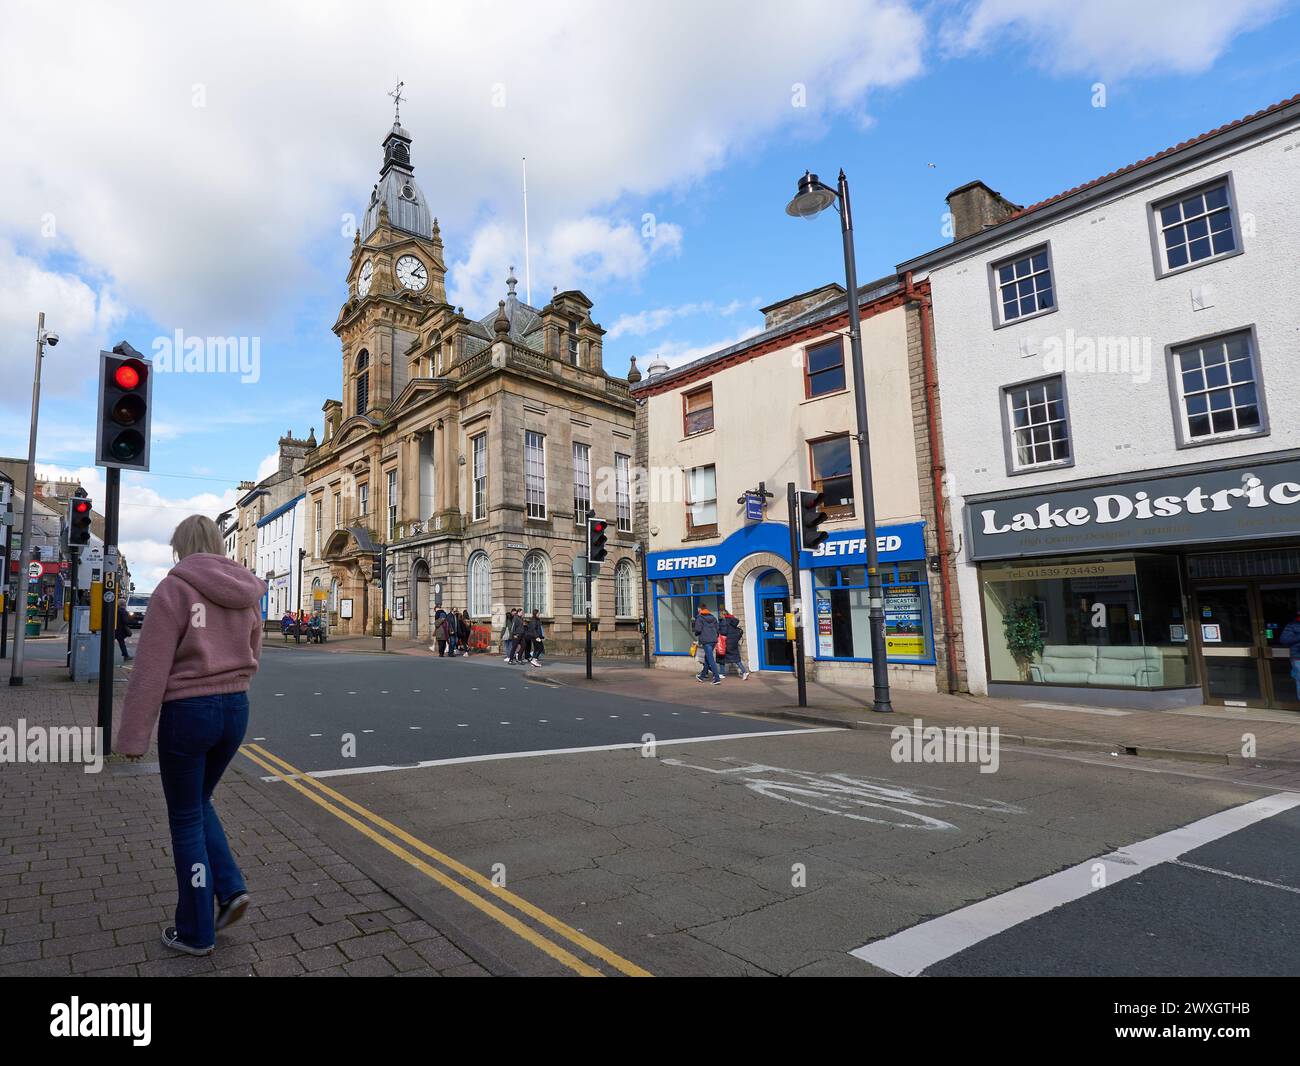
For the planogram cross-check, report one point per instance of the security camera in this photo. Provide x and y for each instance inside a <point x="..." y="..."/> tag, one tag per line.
<point x="51" y="339"/>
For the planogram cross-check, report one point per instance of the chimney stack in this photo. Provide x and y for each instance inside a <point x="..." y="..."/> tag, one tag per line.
<point x="975" y="207"/>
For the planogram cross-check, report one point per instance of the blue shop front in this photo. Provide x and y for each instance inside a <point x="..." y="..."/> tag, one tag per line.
<point x="833" y="595"/>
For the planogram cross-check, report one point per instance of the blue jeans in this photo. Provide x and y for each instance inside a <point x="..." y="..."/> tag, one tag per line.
<point x="1295" y="676"/>
<point x="197" y="738"/>
<point x="710" y="662"/>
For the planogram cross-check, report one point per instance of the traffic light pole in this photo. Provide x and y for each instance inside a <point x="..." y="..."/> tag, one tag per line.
<point x="792" y="495"/>
<point x="107" y="607"/>
<point x="74" y="554"/>
<point x="586" y="580"/>
<point x="383" y="597"/>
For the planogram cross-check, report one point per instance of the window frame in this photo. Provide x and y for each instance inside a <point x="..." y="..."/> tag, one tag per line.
<point x="363" y="500"/>
<point x="361" y="382"/>
<point x="808" y="394"/>
<point x="1158" y="257"/>
<point x="692" y="530"/>
<point x="392" y="490"/>
<point x="623" y="492"/>
<point x="687" y="394"/>
<point x="581" y="505"/>
<point x="317" y="509"/>
<point x="577" y="604"/>
<point x="528" y="503"/>
<point x="995" y="291"/>
<point x="837" y="512"/>
<point x="625" y="572"/>
<point x="1008" y="439"/>
<point x="478" y="492"/>
<point x="475" y="559"/>
<point x="1178" y="405"/>
<point x="529" y="606"/>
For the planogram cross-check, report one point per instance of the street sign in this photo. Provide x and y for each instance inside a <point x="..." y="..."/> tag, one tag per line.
<point x="753" y="507"/>
<point x="34" y="570"/>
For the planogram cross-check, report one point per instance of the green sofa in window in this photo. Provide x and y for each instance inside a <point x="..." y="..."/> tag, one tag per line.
<point x="1110" y="665"/>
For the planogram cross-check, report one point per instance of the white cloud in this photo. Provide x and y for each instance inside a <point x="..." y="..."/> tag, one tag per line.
<point x="643" y="323"/>
<point x="268" y="466"/>
<point x="678" y="353"/>
<point x="1110" y="38"/>
<point x="199" y="164"/>
<point x="147" y="517"/>
<point x="82" y="314"/>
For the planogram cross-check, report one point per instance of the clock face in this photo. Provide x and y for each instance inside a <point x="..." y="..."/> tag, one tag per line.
<point x="364" y="278"/>
<point x="411" y="273"/>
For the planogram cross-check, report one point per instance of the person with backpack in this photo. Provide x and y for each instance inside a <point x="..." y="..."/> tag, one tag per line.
<point x="730" y="630"/>
<point x="440" y="634"/>
<point x="534" y="639"/>
<point x="706" y="636"/>
<point x="463" y="631"/>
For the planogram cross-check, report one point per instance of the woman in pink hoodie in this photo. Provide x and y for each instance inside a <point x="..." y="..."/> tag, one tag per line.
<point x="198" y="650"/>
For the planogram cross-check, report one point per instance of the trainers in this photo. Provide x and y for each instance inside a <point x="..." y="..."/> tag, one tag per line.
<point x="717" y="681"/>
<point x="534" y="662"/>
<point x="744" y="676"/>
<point x="232" y="910"/>
<point x="172" y="940"/>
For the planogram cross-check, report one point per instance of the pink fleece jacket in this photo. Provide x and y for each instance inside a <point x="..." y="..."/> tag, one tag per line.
<point x="202" y="636"/>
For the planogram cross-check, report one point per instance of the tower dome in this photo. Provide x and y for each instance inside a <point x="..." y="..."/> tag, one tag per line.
<point x="397" y="190"/>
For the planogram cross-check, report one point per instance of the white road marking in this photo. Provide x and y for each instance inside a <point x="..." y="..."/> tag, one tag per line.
<point x="543" y="721"/>
<point x="505" y="723"/>
<point x="315" y="734"/>
<point x="462" y="725"/>
<point x="501" y="756"/>
<point x="383" y="692"/>
<point x="315" y="693"/>
<point x="835" y="793"/>
<point x="415" y="690"/>
<point x="415" y="727"/>
<point x="913" y="950"/>
<point x="367" y="730"/>
<point x="259" y="738"/>
<point x="1108" y="712"/>
<point x="1236" y="877"/>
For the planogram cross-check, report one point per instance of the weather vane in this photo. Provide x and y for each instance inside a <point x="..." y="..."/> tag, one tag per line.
<point x="397" y="96"/>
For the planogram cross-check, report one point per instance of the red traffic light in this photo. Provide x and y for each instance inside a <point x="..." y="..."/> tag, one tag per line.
<point x="81" y="506"/>
<point x="129" y="374"/>
<point x="599" y="527"/>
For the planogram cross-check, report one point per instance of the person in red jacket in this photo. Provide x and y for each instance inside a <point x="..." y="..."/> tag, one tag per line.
<point x="199" y="648"/>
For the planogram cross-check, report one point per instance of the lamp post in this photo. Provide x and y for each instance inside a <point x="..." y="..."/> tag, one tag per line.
<point x="43" y="337"/>
<point x="812" y="198"/>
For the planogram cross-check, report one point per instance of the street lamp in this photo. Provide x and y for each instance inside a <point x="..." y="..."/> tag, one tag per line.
<point x="43" y="337"/>
<point x="812" y="198"/>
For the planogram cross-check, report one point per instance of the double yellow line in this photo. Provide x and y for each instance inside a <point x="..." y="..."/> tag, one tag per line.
<point x="318" y="792"/>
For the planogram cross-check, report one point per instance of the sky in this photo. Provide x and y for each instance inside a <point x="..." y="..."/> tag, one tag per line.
<point x="170" y="169"/>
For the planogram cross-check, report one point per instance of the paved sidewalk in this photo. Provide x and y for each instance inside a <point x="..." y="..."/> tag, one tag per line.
<point x="1203" y="734"/>
<point x="87" y="883"/>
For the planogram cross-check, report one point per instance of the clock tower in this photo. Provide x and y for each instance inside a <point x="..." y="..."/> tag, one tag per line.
<point x="396" y="276"/>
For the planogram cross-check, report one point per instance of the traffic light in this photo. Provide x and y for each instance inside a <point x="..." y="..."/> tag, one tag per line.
<point x="377" y="571"/>
<point x="811" y="516"/>
<point x="597" y="539"/>
<point x="125" y="392"/>
<point x="78" y="520"/>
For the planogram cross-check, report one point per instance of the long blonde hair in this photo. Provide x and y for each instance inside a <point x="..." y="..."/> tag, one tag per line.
<point x="198" y="533"/>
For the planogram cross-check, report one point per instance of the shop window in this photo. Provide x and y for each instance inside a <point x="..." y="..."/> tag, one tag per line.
<point x="832" y="474"/>
<point x="697" y="411"/>
<point x="676" y="602"/>
<point x="1102" y="622"/>
<point x="843" y="613"/>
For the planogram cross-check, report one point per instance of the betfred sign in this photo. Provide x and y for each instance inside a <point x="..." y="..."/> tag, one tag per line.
<point x="1243" y="502"/>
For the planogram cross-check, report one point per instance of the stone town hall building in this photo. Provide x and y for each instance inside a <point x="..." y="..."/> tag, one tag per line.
<point x="470" y="446"/>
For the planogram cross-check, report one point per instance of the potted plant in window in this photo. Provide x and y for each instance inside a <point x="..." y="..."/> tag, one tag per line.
<point x="1024" y="633"/>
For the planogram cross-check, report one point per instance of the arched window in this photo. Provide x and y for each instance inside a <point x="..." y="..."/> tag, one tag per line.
<point x="363" y="381"/>
<point x="480" y="585"/>
<point x="624" y="589"/>
<point x="537" y="583"/>
<point x="580" y="586"/>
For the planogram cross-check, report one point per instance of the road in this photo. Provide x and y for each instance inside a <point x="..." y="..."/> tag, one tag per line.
<point x="676" y="838"/>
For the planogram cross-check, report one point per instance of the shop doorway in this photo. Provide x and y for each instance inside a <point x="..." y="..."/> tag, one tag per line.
<point x="772" y="597"/>
<point x="1240" y="624"/>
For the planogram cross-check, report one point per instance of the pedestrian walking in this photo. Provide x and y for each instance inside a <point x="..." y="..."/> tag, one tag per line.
<point x="535" y="639"/>
<point x="192" y="680"/>
<point x="120" y="632"/>
<point x="439" y="634"/>
<point x="706" y="635"/>
<point x="453" y="632"/>
<point x="730" y="629"/>
<point x="507" y="642"/>
<point x="463" y="631"/>
<point x="518" y="629"/>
